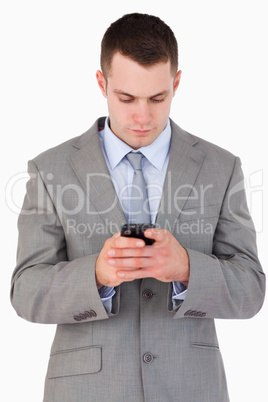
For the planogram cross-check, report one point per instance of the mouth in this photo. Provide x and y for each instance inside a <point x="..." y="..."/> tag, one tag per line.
<point x="141" y="132"/>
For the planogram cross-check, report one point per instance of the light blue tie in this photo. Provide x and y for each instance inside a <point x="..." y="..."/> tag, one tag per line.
<point x="139" y="200"/>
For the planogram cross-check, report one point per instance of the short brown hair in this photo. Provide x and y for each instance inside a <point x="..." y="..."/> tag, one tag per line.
<point x="144" y="38"/>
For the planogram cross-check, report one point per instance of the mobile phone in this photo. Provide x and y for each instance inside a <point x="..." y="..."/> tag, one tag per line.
<point x="137" y="230"/>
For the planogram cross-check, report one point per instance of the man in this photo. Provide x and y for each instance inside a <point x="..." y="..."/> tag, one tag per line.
<point x="135" y="322"/>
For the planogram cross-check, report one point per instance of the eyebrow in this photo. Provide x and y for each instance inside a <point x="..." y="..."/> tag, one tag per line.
<point x="119" y="92"/>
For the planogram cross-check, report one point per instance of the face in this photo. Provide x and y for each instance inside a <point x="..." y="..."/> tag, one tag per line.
<point x="138" y="98"/>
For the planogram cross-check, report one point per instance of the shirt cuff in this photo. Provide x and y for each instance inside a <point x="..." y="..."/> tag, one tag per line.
<point x="106" y="294"/>
<point x="178" y="294"/>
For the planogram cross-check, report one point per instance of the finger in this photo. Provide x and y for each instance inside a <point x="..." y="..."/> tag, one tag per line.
<point x="126" y="242"/>
<point x="146" y="251"/>
<point x="158" y="235"/>
<point x="134" y="274"/>
<point x="131" y="263"/>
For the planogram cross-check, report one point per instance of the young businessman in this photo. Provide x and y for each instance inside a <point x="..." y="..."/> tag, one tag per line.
<point x="135" y="322"/>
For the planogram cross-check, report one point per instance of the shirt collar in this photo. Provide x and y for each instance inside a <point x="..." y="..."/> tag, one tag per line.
<point x="156" y="152"/>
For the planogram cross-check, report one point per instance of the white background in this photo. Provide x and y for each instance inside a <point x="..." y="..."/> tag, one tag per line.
<point x="49" y="56"/>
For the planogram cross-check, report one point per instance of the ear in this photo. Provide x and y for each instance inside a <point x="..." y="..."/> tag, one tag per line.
<point x="177" y="80"/>
<point x="101" y="82"/>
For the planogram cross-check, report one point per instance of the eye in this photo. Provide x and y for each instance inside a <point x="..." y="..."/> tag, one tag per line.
<point x="125" y="100"/>
<point x="158" y="100"/>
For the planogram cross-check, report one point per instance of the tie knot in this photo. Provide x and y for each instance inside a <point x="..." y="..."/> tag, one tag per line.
<point x="134" y="159"/>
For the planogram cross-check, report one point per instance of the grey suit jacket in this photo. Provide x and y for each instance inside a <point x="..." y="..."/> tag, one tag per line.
<point x="143" y="350"/>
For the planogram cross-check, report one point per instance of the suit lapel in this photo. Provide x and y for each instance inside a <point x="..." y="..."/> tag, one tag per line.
<point x="91" y="169"/>
<point x="184" y="164"/>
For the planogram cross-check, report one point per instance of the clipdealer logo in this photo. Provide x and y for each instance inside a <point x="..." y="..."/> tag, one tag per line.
<point x="44" y="194"/>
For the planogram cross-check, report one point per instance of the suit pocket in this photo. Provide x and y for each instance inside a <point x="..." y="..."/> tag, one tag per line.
<point x="75" y="362"/>
<point x="205" y="346"/>
<point x="197" y="213"/>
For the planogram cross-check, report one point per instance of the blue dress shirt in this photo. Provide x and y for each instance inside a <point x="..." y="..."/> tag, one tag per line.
<point x="154" y="170"/>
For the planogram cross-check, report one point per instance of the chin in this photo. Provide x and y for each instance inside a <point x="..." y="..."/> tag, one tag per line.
<point x="143" y="141"/>
<point x="141" y="144"/>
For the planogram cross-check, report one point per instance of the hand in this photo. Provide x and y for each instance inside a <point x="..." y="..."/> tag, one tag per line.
<point x="105" y="269"/>
<point x="127" y="259"/>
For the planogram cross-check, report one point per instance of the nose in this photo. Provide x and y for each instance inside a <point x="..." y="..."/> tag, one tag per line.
<point x="142" y="114"/>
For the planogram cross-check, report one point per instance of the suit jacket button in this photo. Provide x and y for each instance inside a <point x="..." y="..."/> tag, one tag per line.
<point x="90" y="314"/>
<point x="148" y="358"/>
<point x="79" y="317"/>
<point x="147" y="294"/>
<point x="93" y="313"/>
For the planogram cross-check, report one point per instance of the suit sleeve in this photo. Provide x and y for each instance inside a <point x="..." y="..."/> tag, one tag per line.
<point x="46" y="287"/>
<point x="230" y="282"/>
